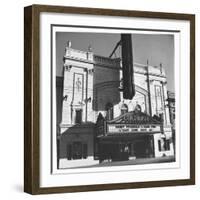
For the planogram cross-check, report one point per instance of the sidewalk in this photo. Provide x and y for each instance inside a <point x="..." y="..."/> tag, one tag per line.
<point x="64" y="163"/>
<point x="95" y="163"/>
<point x="139" y="161"/>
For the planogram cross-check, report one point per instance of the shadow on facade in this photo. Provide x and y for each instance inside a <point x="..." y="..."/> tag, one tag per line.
<point x="106" y="93"/>
<point x="76" y="142"/>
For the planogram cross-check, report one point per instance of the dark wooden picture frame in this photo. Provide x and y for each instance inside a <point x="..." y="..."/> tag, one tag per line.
<point x="32" y="94"/>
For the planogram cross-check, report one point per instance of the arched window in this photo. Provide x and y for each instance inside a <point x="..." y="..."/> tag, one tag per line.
<point x="124" y="109"/>
<point x="138" y="108"/>
<point x="109" y="111"/>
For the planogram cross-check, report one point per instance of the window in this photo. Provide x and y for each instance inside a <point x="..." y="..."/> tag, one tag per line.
<point x="167" y="145"/>
<point x="159" y="145"/>
<point x="163" y="145"/>
<point x="78" y="117"/>
<point x="138" y="108"/>
<point x="109" y="113"/>
<point x="124" y="109"/>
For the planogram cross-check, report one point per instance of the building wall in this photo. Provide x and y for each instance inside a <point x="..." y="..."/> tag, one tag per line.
<point x="163" y="151"/>
<point x="78" y="86"/>
<point x="107" y="90"/>
<point x="77" y="124"/>
<point x="171" y="105"/>
<point x="83" y="134"/>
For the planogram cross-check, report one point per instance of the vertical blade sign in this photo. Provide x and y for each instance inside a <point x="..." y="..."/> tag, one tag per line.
<point x="127" y="66"/>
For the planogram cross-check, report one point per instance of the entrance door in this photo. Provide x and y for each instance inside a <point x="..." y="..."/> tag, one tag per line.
<point x="77" y="150"/>
<point x="120" y="152"/>
<point x="140" y="149"/>
<point x="116" y="150"/>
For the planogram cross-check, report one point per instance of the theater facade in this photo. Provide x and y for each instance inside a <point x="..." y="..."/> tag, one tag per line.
<point x="95" y="123"/>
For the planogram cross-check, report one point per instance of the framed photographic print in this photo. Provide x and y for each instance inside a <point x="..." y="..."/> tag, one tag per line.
<point x="109" y="99"/>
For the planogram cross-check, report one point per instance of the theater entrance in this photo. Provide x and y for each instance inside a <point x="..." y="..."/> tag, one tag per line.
<point x="126" y="148"/>
<point x="129" y="136"/>
<point x="142" y="149"/>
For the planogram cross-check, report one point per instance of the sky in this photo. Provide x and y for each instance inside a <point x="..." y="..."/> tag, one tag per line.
<point x="152" y="47"/>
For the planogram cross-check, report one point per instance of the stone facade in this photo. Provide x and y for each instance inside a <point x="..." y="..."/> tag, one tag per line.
<point x="172" y="113"/>
<point x="92" y="85"/>
<point x="171" y="105"/>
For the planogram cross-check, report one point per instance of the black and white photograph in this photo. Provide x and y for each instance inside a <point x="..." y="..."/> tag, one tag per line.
<point x="115" y="98"/>
<point x="109" y="99"/>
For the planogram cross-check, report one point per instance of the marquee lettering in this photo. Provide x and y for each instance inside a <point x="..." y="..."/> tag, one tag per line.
<point x="129" y="128"/>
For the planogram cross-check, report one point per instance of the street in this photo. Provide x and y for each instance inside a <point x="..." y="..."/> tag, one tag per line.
<point x="139" y="161"/>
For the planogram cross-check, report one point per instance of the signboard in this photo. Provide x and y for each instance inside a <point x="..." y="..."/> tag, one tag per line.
<point x="132" y="128"/>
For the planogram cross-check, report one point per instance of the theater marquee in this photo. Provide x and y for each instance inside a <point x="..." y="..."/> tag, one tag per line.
<point x="130" y="128"/>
